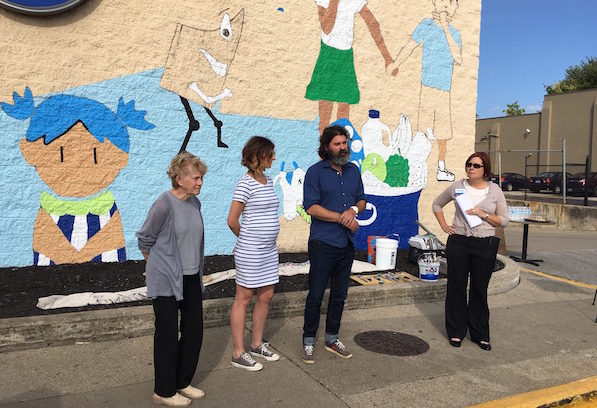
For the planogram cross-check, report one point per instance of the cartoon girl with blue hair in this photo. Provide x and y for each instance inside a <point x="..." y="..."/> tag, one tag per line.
<point x="77" y="146"/>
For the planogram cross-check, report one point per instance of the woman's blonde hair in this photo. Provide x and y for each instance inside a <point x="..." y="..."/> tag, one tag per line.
<point x="256" y="148"/>
<point x="179" y="164"/>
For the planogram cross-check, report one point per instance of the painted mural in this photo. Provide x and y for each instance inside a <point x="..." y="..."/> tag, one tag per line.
<point x="197" y="64"/>
<point x="229" y="71"/>
<point x="442" y="48"/>
<point x="77" y="146"/>
<point x="334" y="79"/>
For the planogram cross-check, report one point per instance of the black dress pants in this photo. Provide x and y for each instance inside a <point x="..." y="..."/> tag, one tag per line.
<point x="175" y="359"/>
<point x="474" y="256"/>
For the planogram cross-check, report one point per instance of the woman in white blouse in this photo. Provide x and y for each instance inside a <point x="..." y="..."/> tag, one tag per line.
<point x="471" y="250"/>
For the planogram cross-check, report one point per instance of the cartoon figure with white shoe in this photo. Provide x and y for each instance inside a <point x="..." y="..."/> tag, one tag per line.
<point x="442" y="48"/>
<point x="291" y="183"/>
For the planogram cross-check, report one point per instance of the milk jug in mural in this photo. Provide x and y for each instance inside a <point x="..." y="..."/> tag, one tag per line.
<point x="376" y="135"/>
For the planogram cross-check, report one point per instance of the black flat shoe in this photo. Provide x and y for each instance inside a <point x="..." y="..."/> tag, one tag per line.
<point x="485" y="346"/>
<point x="455" y="343"/>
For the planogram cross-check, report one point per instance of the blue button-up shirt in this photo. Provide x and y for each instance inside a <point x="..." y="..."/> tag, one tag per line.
<point x="334" y="191"/>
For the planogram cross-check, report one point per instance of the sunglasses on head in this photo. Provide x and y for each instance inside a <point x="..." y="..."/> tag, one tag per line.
<point x="474" y="165"/>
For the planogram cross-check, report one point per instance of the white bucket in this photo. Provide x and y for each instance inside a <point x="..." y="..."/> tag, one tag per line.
<point x="385" y="253"/>
<point x="428" y="271"/>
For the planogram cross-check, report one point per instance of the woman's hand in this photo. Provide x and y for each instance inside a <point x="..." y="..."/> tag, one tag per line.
<point x="236" y="209"/>
<point x="476" y="211"/>
<point x="448" y="229"/>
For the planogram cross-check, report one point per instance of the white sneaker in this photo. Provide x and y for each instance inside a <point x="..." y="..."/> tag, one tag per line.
<point x="192" y="392"/>
<point x="445" y="175"/>
<point x="176" y="400"/>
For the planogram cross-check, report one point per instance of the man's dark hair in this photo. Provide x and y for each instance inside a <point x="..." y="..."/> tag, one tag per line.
<point x="326" y="137"/>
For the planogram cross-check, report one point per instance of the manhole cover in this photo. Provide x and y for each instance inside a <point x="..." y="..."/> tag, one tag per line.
<point x="392" y="343"/>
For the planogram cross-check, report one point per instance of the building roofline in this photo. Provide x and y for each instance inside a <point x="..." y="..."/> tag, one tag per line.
<point x="502" y="117"/>
<point x="568" y="93"/>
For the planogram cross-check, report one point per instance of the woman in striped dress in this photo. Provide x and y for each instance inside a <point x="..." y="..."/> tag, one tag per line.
<point x="255" y="253"/>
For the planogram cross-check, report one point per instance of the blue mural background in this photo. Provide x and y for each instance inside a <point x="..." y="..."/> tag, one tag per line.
<point x="144" y="177"/>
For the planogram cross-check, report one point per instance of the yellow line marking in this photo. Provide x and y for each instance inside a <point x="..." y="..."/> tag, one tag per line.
<point x="558" y="278"/>
<point x="545" y="396"/>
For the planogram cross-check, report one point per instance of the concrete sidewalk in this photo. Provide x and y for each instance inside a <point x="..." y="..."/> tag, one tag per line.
<point x="543" y="334"/>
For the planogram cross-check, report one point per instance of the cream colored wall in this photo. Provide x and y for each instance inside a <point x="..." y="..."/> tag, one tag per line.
<point x="106" y="39"/>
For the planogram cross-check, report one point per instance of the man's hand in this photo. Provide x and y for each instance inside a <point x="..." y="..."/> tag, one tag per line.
<point x="346" y="217"/>
<point x="353" y="225"/>
<point x="347" y="220"/>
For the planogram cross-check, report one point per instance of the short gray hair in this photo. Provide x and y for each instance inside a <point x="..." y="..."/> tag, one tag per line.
<point x="179" y="164"/>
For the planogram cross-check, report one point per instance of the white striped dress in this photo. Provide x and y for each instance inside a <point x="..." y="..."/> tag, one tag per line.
<point x="256" y="253"/>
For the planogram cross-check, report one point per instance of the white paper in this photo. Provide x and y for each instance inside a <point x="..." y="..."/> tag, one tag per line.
<point x="464" y="203"/>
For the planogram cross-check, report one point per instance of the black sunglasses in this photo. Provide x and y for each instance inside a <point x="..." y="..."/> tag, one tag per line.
<point x="475" y="165"/>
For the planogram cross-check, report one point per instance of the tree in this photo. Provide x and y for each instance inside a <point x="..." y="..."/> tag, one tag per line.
<point x="513" y="109"/>
<point x="578" y="77"/>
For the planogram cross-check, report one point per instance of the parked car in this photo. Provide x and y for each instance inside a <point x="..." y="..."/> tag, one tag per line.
<point x="549" y="180"/>
<point x="576" y="184"/>
<point x="510" y="181"/>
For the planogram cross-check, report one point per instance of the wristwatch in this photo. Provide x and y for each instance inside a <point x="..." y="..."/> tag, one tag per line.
<point x="355" y="209"/>
<point x="486" y="216"/>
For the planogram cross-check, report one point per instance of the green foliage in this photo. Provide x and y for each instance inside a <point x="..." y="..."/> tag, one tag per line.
<point x="397" y="171"/>
<point x="514" y="109"/>
<point x="578" y="77"/>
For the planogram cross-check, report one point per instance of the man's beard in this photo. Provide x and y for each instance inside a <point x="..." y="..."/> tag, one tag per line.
<point x="341" y="158"/>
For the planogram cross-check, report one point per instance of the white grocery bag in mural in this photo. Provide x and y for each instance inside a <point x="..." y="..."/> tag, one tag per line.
<point x="291" y="183"/>
<point x="394" y="171"/>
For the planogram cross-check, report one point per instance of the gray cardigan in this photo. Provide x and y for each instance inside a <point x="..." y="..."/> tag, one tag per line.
<point x="494" y="203"/>
<point x="157" y="237"/>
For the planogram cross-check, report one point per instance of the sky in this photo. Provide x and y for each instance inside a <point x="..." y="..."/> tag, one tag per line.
<point x="526" y="44"/>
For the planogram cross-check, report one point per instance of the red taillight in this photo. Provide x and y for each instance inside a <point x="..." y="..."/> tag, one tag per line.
<point x="582" y="181"/>
<point x="547" y="180"/>
<point x="503" y="178"/>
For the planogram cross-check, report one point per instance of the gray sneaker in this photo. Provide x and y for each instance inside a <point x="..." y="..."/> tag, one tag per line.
<point x="307" y="354"/>
<point x="246" y="361"/>
<point x="265" y="351"/>
<point x="338" y="348"/>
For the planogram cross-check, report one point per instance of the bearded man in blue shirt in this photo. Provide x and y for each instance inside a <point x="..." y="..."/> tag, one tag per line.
<point x="333" y="196"/>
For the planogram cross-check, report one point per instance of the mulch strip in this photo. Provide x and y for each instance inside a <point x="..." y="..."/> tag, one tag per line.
<point x="21" y="287"/>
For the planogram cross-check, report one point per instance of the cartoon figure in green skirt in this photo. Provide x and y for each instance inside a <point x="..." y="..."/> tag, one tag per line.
<point x="334" y="78"/>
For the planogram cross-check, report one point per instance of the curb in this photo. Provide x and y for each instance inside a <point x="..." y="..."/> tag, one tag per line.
<point x="109" y="324"/>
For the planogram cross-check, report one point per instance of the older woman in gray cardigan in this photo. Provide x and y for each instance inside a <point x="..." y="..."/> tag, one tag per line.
<point x="471" y="250"/>
<point x="171" y="240"/>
